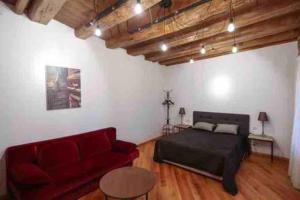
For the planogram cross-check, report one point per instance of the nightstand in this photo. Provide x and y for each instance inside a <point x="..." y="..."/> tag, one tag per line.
<point x="181" y="127"/>
<point x="266" y="139"/>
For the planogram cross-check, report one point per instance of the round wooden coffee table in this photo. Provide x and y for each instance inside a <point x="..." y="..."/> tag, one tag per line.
<point x="127" y="183"/>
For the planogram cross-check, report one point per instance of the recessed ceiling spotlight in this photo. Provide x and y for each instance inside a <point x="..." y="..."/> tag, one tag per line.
<point x="234" y="49"/>
<point x="203" y="50"/>
<point x="98" y="32"/>
<point x="138" y="8"/>
<point x="164" y="47"/>
<point x="192" y="61"/>
<point x="231" y="26"/>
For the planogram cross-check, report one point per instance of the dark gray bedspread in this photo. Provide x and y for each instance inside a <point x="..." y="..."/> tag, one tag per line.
<point x="216" y="153"/>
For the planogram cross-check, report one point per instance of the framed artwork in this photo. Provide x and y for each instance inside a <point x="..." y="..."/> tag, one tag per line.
<point x="63" y="87"/>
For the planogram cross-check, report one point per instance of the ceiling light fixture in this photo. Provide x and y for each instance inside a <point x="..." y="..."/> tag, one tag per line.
<point x="203" y="50"/>
<point x="164" y="47"/>
<point x="235" y="49"/>
<point x="231" y="26"/>
<point x="98" y="32"/>
<point x="138" y="8"/>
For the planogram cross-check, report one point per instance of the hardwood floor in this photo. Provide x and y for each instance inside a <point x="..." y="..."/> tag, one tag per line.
<point x="257" y="179"/>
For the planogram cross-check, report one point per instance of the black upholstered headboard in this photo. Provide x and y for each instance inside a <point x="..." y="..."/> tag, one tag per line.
<point x="240" y="119"/>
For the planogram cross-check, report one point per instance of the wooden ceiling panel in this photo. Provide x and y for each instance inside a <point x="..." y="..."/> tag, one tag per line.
<point x="75" y="13"/>
<point x="153" y="13"/>
<point x="119" y="15"/>
<point x="252" y="32"/>
<point x="259" y="23"/>
<point x="257" y="14"/>
<point x="42" y="11"/>
<point x="20" y="6"/>
<point x="245" y="46"/>
<point x="186" y="20"/>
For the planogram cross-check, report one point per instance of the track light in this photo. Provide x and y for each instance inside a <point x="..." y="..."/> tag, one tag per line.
<point x="231" y="26"/>
<point x="192" y="61"/>
<point x="203" y="50"/>
<point x="234" y="49"/>
<point x="98" y="32"/>
<point x="138" y="8"/>
<point x="164" y="47"/>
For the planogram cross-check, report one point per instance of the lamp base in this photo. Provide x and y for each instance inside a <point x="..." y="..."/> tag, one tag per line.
<point x="263" y="129"/>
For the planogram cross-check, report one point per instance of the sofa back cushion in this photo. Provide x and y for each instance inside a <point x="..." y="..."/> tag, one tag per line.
<point x="21" y="154"/>
<point x="58" y="153"/>
<point x="93" y="144"/>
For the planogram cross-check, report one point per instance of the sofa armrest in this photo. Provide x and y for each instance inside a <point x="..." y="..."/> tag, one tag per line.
<point x="124" y="147"/>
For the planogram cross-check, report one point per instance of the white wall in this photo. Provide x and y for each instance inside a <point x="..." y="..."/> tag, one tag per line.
<point x="247" y="82"/>
<point x="117" y="89"/>
<point x="294" y="168"/>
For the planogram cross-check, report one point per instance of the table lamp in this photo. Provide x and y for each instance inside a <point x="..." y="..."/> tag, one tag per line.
<point x="181" y="112"/>
<point x="263" y="117"/>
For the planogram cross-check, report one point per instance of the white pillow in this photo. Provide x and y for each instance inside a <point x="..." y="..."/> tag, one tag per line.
<point x="204" y="126"/>
<point x="227" y="128"/>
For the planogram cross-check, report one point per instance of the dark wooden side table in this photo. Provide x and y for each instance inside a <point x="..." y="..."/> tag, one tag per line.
<point x="181" y="127"/>
<point x="127" y="183"/>
<point x="267" y="139"/>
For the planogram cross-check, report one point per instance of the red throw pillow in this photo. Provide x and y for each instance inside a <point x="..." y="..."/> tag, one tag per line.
<point x="29" y="174"/>
<point x="94" y="144"/>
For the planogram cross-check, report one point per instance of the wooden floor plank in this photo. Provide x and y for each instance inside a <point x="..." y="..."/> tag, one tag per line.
<point x="257" y="179"/>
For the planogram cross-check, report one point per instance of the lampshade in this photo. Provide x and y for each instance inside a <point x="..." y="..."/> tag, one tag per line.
<point x="182" y="111"/>
<point x="263" y="117"/>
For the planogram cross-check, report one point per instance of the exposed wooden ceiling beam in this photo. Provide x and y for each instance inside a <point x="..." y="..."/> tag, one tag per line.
<point x="152" y="14"/>
<point x="125" y="12"/>
<point x="250" y="45"/>
<point x="20" y="6"/>
<point x="262" y="12"/>
<point x="186" y="20"/>
<point x="252" y="32"/>
<point x="43" y="11"/>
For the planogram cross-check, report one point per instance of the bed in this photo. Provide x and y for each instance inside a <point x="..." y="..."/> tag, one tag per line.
<point x="217" y="155"/>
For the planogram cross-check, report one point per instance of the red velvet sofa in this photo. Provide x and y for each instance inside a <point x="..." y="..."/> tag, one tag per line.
<point x="65" y="168"/>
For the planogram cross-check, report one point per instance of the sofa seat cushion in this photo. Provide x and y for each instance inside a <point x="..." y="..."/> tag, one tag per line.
<point x="93" y="144"/>
<point x="57" y="154"/>
<point x="102" y="163"/>
<point x="66" y="172"/>
<point x="27" y="174"/>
